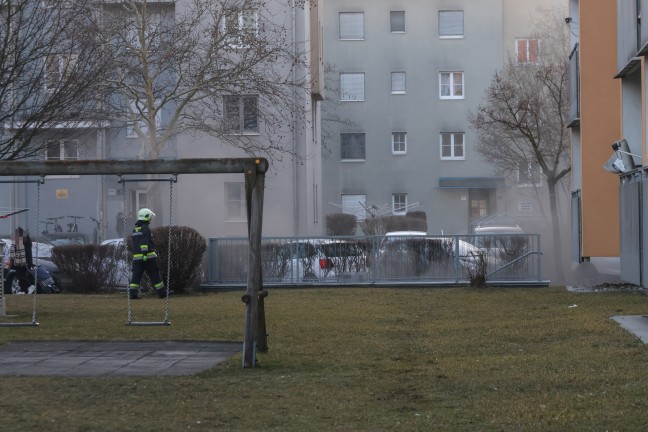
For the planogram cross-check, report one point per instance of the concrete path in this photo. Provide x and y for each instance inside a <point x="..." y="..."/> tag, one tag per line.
<point x="635" y="324"/>
<point x="131" y="358"/>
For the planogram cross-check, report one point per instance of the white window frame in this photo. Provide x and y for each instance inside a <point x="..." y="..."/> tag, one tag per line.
<point x="522" y="182"/>
<point x="526" y="53"/>
<point x="349" y="88"/>
<point x="452" y="146"/>
<point x="396" y="143"/>
<point x="364" y="149"/>
<point x="143" y="124"/>
<point x="451" y="85"/>
<point x="391" y="23"/>
<point x="399" y="209"/>
<point x="346" y="19"/>
<point x="355" y="204"/>
<point x="243" y="31"/>
<point x="395" y="89"/>
<point x="62" y="153"/>
<point x="58" y="67"/>
<point x="451" y="35"/>
<point x="240" y="103"/>
<point x="235" y="206"/>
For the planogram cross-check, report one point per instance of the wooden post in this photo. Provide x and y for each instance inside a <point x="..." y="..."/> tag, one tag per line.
<point x="254" y="184"/>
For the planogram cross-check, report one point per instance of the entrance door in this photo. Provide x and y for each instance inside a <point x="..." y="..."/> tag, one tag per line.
<point x="479" y="203"/>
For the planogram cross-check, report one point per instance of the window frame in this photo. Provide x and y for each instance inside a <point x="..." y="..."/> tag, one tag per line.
<point x="451" y="36"/>
<point x="342" y="147"/>
<point x="527" y="181"/>
<point x="62" y="152"/>
<point x="401" y="206"/>
<point x="403" y="143"/>
<point x="240" y="202"/>
<point x="350" y="38"/>
<point x="527" y="41"/>
<point x="241" y="121"/>
<point x="404" y="90"/>
<point x="64" y="63"/>
<point x="391" y="21"/>
<point x="238" y="39"/>
<point x="452" y="145"/>
<point x="343" y="92"/>
<point x="451" y="85"/>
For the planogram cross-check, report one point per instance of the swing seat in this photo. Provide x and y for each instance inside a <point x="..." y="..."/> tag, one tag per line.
<point x="25" y="324"/>
<point x="148" y="323"/>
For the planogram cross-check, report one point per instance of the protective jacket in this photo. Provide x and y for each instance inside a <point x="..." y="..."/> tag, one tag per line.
<point x="143" y="247"/>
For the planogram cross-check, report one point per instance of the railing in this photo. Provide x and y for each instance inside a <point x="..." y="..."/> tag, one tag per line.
<point x="379" y="260"/>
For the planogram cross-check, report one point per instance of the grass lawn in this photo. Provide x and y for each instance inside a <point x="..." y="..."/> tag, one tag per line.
<point x="361" y="359"/>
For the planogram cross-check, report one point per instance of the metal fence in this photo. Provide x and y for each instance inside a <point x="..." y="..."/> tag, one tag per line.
<point x="513" y="259"/>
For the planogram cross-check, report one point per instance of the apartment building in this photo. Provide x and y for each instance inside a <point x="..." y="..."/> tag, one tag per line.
<point x="596" y="123"/>
<point x="402" y="78"/>
<point x="631" y="47"/>
<point x="212" y="204"/>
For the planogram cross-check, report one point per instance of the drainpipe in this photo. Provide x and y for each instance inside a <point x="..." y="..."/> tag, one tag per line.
<point x="294" y="123"/>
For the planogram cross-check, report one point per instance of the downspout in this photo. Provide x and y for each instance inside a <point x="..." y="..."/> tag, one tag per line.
<point x="294" y="124"/>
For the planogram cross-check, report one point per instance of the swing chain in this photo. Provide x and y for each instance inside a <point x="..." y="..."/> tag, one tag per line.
<point x="38" y="194"/>
<point x="168" y="284"/>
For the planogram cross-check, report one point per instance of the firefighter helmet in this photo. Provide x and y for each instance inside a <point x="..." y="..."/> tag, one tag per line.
<point x="145" y="215"/>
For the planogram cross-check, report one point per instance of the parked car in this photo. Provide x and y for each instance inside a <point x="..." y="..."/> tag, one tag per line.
<point x="45" y="270"/>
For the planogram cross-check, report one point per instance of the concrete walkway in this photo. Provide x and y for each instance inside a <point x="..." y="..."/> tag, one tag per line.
<point x="131" y="358"/>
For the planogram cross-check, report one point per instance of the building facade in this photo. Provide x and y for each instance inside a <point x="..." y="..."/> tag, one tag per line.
<point x="215" y="204"/>
<point x="402" y="79"/>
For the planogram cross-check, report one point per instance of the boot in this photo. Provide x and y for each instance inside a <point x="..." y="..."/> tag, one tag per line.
<point x="133" y="294"/>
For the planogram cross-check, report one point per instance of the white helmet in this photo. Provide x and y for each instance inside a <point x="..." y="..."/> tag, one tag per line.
<point x="145" y="215"/>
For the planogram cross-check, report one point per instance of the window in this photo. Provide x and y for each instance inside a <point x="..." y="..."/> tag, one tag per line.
<point x="527" y="51"/>
<point x="138" y="112"/>
<point x="58" y="67"/>
<point x="451" y="85"/>
<point x="352" y="87"/>
<point x="352" y="25"/>
<point x="352" y="146"/>
<point x="62" y="150"/>
<point x="399" y="203"/>
<point x="398" y="82"/>
<point x="397" y="21"/>
<point x="452" y="146"/>
<point x="355" y="205"/>
<point x="241" y="28"/>
<point x="529" y="174"/>
<point x="451" y="24"/>
<point x="235" y="201"/>
<point x="241" y="114"/>
<point x="399" y="143"/>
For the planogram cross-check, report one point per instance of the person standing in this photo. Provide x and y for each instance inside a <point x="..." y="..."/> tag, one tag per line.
<point x="20" y="258"/>
<point x="144" y="257"/>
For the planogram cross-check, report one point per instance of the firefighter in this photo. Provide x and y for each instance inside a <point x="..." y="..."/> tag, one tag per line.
<point x="144" y="257"/>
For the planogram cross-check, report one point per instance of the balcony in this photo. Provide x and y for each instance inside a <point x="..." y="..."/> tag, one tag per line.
<point x="574" y="87"/>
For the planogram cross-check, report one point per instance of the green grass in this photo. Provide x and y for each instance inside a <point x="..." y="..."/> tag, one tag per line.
<point x="363" y="359"/>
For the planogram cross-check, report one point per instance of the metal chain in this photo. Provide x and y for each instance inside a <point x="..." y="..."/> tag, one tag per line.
<point x="38" y="190"/>
<point x="168" y="285"/>
<point x="130" y="312"/>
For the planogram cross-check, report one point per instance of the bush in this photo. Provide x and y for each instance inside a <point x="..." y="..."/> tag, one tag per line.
<point x="340" y="224"/>
<point x="187" y="249"/>
<point x="91" y="268"/>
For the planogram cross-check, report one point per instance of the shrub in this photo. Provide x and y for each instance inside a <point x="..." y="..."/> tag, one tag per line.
<point x="90" y="268"/>
<point x="187" y="249"/>
<point x="477" y="268"/>
<point x="384" y="224"/>
<point x="340" y="224"/>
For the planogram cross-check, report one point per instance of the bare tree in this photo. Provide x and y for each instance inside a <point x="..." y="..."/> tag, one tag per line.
<point x="223" y="68"/>
<point x="522" y="125"/>
<point x="49" y="72"/>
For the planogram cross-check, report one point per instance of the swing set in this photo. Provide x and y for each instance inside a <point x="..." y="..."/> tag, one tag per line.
<point x="254" y="170"/>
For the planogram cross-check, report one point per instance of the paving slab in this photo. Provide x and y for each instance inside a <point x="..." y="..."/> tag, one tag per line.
<point x="112" y="358"/>
<point x="635" y="324"/>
